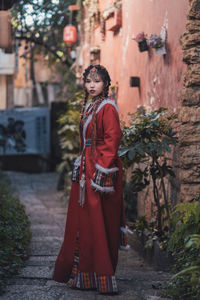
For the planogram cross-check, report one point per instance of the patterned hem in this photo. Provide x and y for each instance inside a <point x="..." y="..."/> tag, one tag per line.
<point x="89" y="280"/>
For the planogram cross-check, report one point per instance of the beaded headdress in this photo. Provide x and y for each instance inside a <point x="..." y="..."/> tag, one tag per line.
<point x="94" y="70"/>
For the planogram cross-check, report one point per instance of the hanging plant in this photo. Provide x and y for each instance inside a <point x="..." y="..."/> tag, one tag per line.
<point x="141" y="39"/>
<point x="158" y="44"/>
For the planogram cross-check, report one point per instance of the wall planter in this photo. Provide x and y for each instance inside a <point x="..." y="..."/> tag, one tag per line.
<point x="160" y="51"/>
<point x="143" y="46"/>
<point x="141" y="39"/>
<point x="157" y="42"/>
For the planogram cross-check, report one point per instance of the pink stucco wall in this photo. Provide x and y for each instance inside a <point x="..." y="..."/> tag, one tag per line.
<point x="160" y="77"/>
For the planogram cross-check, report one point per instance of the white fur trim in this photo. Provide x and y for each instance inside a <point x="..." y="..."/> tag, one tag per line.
<point x="124" y="229"/>
<point x="106" y="189"/>
<point x="107" y="101"/>
<point x="106" y="170"/>
<point x="127" y="247"/>
<point x="78" y="161"/>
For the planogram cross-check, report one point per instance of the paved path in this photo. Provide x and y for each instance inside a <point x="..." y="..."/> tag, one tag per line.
<point x="47" y="215"/>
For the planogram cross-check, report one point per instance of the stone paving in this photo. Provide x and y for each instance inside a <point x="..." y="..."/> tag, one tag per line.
<point x="47" y="213"/>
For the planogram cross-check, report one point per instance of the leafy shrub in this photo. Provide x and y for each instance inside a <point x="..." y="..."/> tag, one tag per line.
<point x="69" y="136"/>
<point x="14" y="233"/>
<point x="184" y="245"/>
<point x="144" y="145"/>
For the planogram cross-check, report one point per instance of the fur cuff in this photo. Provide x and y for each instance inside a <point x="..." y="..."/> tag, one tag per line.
<point x="106" y="170"/>
<point x="102" y="189"/>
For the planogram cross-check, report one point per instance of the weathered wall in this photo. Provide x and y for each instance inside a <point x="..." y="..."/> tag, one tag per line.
<point x="189" y="114"/>
<point x="160" y="76"/>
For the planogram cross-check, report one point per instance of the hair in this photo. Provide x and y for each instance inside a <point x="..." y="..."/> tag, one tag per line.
<point x="103" y="73"/>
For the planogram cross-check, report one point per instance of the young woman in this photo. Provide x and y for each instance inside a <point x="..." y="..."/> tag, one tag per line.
<point x="95" y="226"/>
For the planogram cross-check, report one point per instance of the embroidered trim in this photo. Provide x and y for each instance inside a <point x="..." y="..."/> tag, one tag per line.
<point x="78" y="161"/>
<point x="102" y="189"/>
<point x="76" y="169"/>
<point x="103" y="179"/>
<point x="90" y="280"/>
<point x="106" y="170"/>
<point x="75" y="173"/>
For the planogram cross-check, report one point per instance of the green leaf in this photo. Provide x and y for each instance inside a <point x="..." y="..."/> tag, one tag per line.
<point x="187" y="271"/>
<point x="131" y="154"/>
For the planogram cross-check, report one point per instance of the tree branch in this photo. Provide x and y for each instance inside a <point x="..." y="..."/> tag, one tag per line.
<point x="38" y="42"/>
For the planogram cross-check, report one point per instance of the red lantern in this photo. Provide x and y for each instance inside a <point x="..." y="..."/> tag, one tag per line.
<point x="69" y="35"/>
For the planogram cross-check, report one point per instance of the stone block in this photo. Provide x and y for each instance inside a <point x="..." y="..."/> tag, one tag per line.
<point x="190" y="156"/>
<point x="194" y="12"/>
<point x="190" y="176"/>
<point x="189" y="114"/>
<point x="45" y="247"/>
<point x="192" y="76"/>
<point x="192" y="55"/>
<point x="189" y="134"/>
<point x="190" y="96"/>
<point x="188" y="191"/>
<point x="193" y="25"/>
<point x="188" y="40"/>
<point x="36" y="272"/>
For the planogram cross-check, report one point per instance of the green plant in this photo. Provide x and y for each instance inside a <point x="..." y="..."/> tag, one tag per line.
<point x="184" y="245"/>
<point x="185" y="221"/>
<point x="69" y="135"/>
<point x="141" y="224"/>
<point x="14" y="233"/>
<point x="144" y="143"/>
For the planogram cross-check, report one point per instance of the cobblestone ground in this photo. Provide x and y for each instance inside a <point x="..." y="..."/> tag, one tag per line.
<point x="136" y="281"/>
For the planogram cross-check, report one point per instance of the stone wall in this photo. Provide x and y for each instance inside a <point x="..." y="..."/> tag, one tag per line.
<point x="189" y="113"/>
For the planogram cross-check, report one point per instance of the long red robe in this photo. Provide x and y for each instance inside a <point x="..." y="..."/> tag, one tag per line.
<point x="99" y="221"/>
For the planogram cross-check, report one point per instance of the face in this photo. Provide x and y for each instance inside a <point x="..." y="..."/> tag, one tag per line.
<point x="94" y="84"/>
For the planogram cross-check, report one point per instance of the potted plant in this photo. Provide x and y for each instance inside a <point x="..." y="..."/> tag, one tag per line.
<point x="158" y="44"/>
<point x="142" y="41"/>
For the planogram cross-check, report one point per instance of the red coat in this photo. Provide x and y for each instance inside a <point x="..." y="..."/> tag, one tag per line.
<point x="99" y="220"/>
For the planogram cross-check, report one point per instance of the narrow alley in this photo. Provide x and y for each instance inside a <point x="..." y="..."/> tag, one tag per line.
<point x="47" y="213"/>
